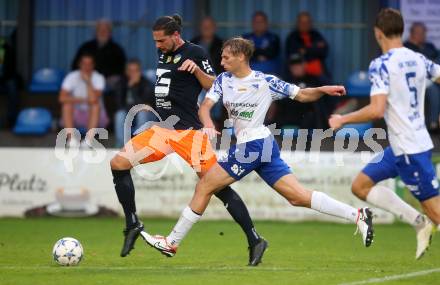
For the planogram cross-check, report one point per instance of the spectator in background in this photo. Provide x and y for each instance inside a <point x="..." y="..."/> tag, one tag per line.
<point x="311" y="45"/>
<point x="9" y="77"/>
<point x="290" y="113"/>
<point x="133" y="89"/>
<point x="417" y="42"/>
<point x="213" y="46"/>
<point x="267" y="45"/>
<point x="109" y="56"/>
<point x="210" y="42"/>
<point x="81" y="100"/>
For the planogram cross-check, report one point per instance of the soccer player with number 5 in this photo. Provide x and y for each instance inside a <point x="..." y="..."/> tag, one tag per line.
<point x="398" y="79"/>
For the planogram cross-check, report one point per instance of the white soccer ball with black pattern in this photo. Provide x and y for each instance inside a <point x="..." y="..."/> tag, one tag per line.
<point x="67" y="251"/>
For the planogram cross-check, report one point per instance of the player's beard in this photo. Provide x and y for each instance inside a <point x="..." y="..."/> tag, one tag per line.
<point x="173" y="48"/>
<point x="170" y="50"/>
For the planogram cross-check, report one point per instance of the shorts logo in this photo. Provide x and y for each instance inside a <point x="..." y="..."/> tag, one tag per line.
<point x="414" y="188"/>
<point x="223" y="158"/>
<point x="435" y="183"/>
<point x="237" y="170"/>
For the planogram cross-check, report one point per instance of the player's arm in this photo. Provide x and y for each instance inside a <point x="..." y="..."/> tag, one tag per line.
<point x="380" y="86"/>
<point x="373" y="111"/>
<point x="205" y="113"/>
<point x="204" y="78"/>
<point x="312" y="94"/>
<point x="205" y="118"/>
<point x="213" y="95"/>
<point x="432" y="70"/>
<point x="200" y="66"/>
<point x="280" y="89"/>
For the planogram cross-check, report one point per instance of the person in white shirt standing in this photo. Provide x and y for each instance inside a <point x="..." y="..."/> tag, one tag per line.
<point x="81" y="100"/>
<point x="247" y="95"/>
<point x="398" y="79"/>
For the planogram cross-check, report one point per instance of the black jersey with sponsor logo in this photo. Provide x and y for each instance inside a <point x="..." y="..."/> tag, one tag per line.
<point x="177" y="91"/>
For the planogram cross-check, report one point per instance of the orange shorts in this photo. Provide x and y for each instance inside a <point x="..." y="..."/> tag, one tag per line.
<point x="191" y="145"/>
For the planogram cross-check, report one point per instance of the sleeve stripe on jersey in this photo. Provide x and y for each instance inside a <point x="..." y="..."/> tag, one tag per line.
<point x="216" y="90"/>
<point x="379" y="76"/>
<point x="282" y="93"/>
<point x="430" y="68"/>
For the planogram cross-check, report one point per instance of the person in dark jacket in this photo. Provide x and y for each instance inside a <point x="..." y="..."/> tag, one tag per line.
<point x="210" y="42"/>
<point x="290" y="113"/>
<point x="131" y="90"/>
<point x="109" y="56"/>
<point x="267" y="45"/>
<point x="417" y="42"/>
<point x="9" y="78"/>
<point x="309" y="43"/>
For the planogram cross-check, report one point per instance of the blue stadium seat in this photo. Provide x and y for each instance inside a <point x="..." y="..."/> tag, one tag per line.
<point x="33" y="121"/>
<point x="150" y="74"/>
<point x="358" y="84"/>
<point x="359" y="130"/>
<point x="46" y="80"/>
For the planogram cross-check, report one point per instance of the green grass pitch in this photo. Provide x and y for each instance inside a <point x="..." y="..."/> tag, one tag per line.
<point x="299" y="253"/>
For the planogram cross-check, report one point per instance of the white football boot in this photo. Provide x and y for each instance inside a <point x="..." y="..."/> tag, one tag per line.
<point x="160" y="243"/>
<point x="424" y="236"/>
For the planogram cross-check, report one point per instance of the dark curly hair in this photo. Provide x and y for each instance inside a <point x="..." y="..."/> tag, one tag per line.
<point x="168" y="24"/>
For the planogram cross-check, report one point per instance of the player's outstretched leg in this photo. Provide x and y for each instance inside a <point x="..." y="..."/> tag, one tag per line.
<point x="289" y="187"/>
<point x="209" y="184"/>
<point x="237" y="209"/>
<point x="382" y="197"/>
<point x="168" y="245"/>
<point x="125" y="191"/>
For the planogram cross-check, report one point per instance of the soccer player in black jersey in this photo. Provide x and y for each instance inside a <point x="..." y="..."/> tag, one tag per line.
<point x="182" y="71"/>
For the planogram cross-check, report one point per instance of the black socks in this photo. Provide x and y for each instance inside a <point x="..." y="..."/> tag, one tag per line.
<point x="237" y="209"/>
<point x="125" y="191"/>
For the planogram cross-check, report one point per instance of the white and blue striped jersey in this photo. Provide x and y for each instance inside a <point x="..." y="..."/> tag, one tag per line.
<point x="248" y="99"/>
<point x="401" y="74"/>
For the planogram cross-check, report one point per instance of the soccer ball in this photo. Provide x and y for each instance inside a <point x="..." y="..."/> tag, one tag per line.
<point x="67" y="251"/>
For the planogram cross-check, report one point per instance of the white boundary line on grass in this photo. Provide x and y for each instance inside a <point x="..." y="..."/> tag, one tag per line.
<point x="85" y="267"/>
<point x="393" y="277"/>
